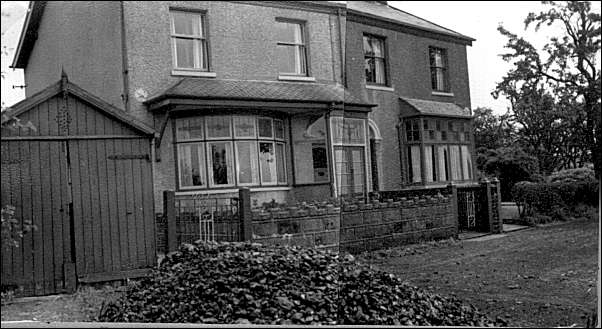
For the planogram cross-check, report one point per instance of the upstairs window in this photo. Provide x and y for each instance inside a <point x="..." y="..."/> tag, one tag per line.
<point x="374" y="60"/>
<point x="189" y="43"/>
<point x="291" y="48"/>
<point x="438" y="62"/>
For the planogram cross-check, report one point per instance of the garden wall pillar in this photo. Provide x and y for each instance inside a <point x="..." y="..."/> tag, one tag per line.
<point x="169" y="211"/>
<point x="244" y="204"/>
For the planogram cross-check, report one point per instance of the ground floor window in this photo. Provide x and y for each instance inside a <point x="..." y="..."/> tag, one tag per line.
<point x="441" y="163"/>
<point x="230" y="150"/>
<point x="351" y="176"/>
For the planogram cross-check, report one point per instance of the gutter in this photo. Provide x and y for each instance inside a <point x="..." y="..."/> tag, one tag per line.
<point x="22" y="36"/>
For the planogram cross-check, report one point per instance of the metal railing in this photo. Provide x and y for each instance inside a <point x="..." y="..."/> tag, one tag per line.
<point x="207" y="218"/>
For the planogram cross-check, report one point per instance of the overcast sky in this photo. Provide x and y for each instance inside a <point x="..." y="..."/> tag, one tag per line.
<point x="475" y="19"/>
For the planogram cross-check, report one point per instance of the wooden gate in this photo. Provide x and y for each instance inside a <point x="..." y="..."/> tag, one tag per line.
<point x="84" y="179"/>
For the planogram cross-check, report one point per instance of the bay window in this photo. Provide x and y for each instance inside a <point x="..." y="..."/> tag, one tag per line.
<point x="228" y="151"/>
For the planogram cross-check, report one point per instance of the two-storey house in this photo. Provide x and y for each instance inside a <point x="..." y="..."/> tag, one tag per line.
<point x="238" y="93"/>
<point x="294" y="100"/>
<point x="417" y="73"/>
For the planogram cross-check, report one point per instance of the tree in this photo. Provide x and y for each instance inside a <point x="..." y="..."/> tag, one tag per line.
<point x="567" y="70"/>
<point x="492" y="131"/>
<point x="510" y="165"/>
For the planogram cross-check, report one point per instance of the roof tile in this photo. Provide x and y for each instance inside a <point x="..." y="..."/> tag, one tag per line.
<point x="437" y="108"/>
<point x="259" y="90"/>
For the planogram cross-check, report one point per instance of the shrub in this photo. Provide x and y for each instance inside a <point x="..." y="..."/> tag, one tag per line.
<point x="251" y="283"/>
<point x="11" y="228"/>
<point x="576" y="186"/>
<point x="535" y="197"/>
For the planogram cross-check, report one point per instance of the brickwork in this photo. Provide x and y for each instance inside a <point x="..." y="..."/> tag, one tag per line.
<point x="318" y="231"/>
<point x="408" y="74"/>
<point x="354" y="227"/>
<point x="382" y="225"/>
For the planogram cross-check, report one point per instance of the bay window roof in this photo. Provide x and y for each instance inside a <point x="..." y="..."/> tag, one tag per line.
<point x="251" y="90"/>
<point x="432" y="108"/>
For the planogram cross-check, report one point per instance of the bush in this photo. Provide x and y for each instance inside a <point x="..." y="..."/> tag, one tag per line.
<point x="251" y="283"/>
<point x="555" y="198"/>
<point x="576" y="186"/>
<point x="535" y="197"/>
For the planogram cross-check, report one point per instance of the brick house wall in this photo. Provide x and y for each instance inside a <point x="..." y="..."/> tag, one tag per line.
<point x="242" y="45"/>
<point x="408" y="73"/>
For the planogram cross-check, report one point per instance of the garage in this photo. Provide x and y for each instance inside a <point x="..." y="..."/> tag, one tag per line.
<point x="83" y="178"/>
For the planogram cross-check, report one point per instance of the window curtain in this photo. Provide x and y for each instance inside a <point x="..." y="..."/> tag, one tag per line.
<point x="441" y="159"/>
<point x="428" y="163"/>
<point x="415" y="153"/>
<point x="456" y="166"/>
<point x="466" y="162"/>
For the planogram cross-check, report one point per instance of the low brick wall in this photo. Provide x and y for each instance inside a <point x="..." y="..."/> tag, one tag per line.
<point x="353" y="227"/>
<point x="314" y="231"/>
<point x="383" y="225"/>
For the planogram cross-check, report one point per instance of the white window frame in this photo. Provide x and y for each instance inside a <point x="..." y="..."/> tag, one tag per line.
<point x="202" y="165"/>
<point x="201" y="39"/>
<point x="209" y="160"/>
<point x="207" y="137"/>
<point x="257" y="164"/>
<point x="300" y="49"/>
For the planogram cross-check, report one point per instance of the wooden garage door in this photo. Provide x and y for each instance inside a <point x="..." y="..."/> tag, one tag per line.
<point x="105" y="184"/>
<point x="111" y="185"/>
<point x="35" y="182"/>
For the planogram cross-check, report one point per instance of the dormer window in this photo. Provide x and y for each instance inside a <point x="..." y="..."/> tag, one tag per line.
<point x="291" y="48"/>
<point x="439" y="74"/>
<point x="189" y="41"/>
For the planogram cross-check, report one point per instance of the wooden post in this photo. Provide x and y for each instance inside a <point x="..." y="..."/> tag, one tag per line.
<point x="246" y="219"/>
<point x="169" y="211"/>
<point x="454" y="203"/>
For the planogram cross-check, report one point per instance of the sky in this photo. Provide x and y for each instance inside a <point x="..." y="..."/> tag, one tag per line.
<point x="477" y="19"/>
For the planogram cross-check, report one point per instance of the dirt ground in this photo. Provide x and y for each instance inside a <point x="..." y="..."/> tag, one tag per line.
<point x="539" y="277"/>
<point x="82" y="306"/>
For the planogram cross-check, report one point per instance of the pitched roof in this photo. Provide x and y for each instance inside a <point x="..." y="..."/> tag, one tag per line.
<point x="436" y="108"/>
<point x="258" y="90"/>
<point x="72" y="89"/>
<point x="29" y="33"/>
<point x="381" y="11"/>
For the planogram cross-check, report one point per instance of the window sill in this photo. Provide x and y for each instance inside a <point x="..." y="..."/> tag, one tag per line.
<point x="377" y="87"/>
<point x="442" y="93"/>
<point x="191" y="73"/>
<point x="296" y="78"/>
<point x="234" y="190"/>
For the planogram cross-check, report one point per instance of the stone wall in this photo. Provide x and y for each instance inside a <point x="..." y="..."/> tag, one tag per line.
<point x="383" y="225"/>
<point x="354" y="227"/>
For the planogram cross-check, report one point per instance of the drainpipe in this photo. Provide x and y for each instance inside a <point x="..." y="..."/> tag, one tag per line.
<point x="124" y="62"/>
<point x="342" y="47"/>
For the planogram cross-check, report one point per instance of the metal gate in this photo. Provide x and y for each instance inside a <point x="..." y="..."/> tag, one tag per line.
<point x="207" y="218"/>
<point x="470" y="216"/>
